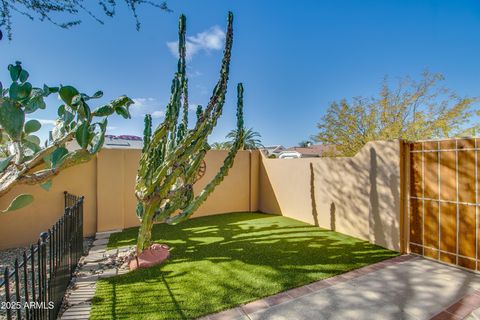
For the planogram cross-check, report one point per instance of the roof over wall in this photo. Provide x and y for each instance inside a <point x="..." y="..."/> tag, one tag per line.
<point x="314" y="149"/>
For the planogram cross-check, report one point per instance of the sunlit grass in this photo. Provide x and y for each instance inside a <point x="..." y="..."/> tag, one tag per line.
<point x="221" y="261"/>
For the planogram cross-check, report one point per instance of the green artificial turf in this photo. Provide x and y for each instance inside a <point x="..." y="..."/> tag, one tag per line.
<point x="222" y="261"/>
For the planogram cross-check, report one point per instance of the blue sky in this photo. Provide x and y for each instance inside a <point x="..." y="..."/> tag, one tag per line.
<point x="294" y="57"/>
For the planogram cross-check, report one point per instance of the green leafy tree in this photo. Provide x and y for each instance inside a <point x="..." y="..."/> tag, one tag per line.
<point x="412" y="110"/>
<point x="173" y="155"/>
<point x="23" y="159"/>
<point x="251" y="139"/>
<point x="46" y="10"/>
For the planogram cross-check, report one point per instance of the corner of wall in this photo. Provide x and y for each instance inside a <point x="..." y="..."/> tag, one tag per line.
<point x="267" y="201"/>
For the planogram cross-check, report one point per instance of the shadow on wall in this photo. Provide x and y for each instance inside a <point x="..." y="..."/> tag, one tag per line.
<point x="376" y="226"/>
<point x="312" y="196"/>
<point x="393" y="185"/>
<point x="332" y="217"/>
<point x="269" y="201"/>
<point x="358" y="196"/>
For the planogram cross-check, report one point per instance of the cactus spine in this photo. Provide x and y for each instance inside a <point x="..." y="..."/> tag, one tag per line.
<point x="173" y="153"/>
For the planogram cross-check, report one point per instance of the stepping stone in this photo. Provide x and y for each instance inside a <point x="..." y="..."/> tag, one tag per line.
<point x="80" y="297"/>
<point x="107" y="273"/>
<point x="99" y="248"/>
<point x="126" y="249"/>
<point x="84" y="285"/>
<point x="100" y="242"/>
<point x="102" y="236"/>
<point x="95" y="257"/>
<point x="87" y="278"/>
<point x="111" y="252"/>
<point x="78" y="312"/>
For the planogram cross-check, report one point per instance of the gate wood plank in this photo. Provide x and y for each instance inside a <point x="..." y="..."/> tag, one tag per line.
<point x="416" y="175"/>
<point x="466" y="176"/>
<point x="448" y="181"/>
<point x="448" y="228"/>
<point x="431" y="175"/>
<point x="416" y="222"/>
<point x="431" y="224"/>
<point x="466" y="231"/>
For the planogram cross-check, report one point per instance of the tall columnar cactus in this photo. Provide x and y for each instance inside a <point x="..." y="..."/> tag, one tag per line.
<point x="173" y="154"/>
<point x="23" y="159"/>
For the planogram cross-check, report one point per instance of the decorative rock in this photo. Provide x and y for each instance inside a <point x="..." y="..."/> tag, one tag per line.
<point x="91" y="267"/>
<point x="156" y="254"/>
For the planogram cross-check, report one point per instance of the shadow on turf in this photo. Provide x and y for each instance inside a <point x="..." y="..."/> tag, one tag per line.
<point x="290" y="254"/>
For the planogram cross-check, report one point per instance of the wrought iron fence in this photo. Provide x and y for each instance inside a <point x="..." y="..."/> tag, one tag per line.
<point x="35" y="286"/>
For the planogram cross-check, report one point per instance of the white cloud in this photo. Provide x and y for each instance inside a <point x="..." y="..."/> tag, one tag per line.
<point x="158" y="114"/>
<point x="143" y="106"/>
<point x="211" y="39"/>
<point x="142" y="102"/>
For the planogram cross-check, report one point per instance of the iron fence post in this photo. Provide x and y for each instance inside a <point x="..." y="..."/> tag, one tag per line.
<point x="7" y="292"/>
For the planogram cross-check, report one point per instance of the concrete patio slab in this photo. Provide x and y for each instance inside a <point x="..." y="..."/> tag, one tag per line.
<point x="406" y="287"/>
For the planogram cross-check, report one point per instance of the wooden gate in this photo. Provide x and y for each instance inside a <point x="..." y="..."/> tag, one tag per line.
<point x="444" y="201"/>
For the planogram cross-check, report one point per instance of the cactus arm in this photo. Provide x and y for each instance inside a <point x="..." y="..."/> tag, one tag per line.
<point x="185" y="104"/>
<point x="227" y="164"/>
<point x="147" y="132"/>
<point x="195" y="139"/>
<point x="190" y="175"/>
<point x="172" y="156"/>
<point x="220" y="90"/>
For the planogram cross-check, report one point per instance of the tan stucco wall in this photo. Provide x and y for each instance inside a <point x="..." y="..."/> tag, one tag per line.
<point x="110" y="177"/>
<point x="22" y="227"/>
<point x="117" y="169"/>
<point x="358" y="196"/>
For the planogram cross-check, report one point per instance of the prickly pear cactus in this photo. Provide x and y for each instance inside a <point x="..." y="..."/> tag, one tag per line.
<point x="173" y="154"/>
<point x="23" y="159"/>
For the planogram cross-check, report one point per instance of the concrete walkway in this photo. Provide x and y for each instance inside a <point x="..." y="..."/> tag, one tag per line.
<point x="405" y="287"/>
